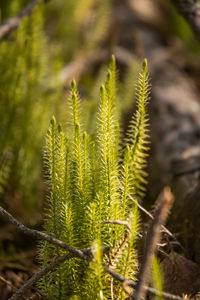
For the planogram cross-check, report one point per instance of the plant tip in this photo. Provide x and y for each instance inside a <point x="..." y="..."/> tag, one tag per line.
<point x="53" y="121"/>
<point x="144" y="65"/>
<point x="109" y="75"/>
<point x="113" y="58"/>
<point x="102" y="88"/>
<point x="73" y="84"/>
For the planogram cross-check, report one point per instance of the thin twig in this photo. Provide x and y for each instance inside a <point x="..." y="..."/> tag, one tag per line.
<point x="146" y="212"/>
<point x="165" y="202"/>
<point x="14" y="22"/>
<point x="122" y="223"/>
<point x="117" y="222"/>
<point x="24" y="288"/>
<point x="50" y="267"/>
<point x="73" y="253"/>
<point x="83" y="254"/>
<point x="7" y="283"/>
<point x="131" y="283"/>
<point x="190" y="10"/>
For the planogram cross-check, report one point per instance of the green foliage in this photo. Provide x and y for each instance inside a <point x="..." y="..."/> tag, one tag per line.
<point x="28" y="82"/>
<point x="125" y="96"/>
<point x="82" y="22"/>
<point x="85" y="174"/>
<point x="99" y="27"/>
<point x="5" y="166"/>
<point x="94" y="285"/>
<point x="137" y="136"/>
<point x="157" y="277"/>
<point x="26" y="105"/>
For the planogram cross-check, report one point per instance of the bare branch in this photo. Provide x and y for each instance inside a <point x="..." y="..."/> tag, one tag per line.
<point x="12" y="23"/>
<point x="165" y="202"/>
<point x="190" y="10"/>
<point x="21" y="292"/>
<point x="83" y="254"/>
<point x="8" y="283"/>
<point x="122" y="223"/>
<point x="146" y="212"/>
<point x="117" y="222"/>
<point x="49" y="268"/>
<point x="131" y="283"/>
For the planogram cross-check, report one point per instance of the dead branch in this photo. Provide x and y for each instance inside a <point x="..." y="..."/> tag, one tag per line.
<point x="14" y="22"/>
<point x="131" y="283"/>
<point x="117" y="222"/>
<point x="21" y="292"/>
<point x="165" y="202"/>
<point x="8" y="283"/>
<point x="121" y="223"/>
<point x="50" y="267"/>
<point x="190" y="10"/>
<point x="146" y="212"/>
<point x="83" y="254"/>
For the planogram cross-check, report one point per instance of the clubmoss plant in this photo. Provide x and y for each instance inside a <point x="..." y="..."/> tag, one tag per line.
<point x="90" y="178"/>
<point x="26" y="106"/>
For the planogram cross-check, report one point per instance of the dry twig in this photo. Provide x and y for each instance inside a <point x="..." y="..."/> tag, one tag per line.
<point x="131" y="283"/>
<point x="126" y="282"/>
<point x="165" y="202"/>
<point x="117" y="222"/>
<point x="49" y="268"/>
<point x="83" y="254"/>
<point x="146" y="212"/>
<point x="12" y="23"/>
<point x="7" y="283"/>
<point x="21" y="292"/>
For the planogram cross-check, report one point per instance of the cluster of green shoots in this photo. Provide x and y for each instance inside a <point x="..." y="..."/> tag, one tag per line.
<point x="30" y="59"/>
<point x="92" y="179"/>
<point x="26" y="106"/>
